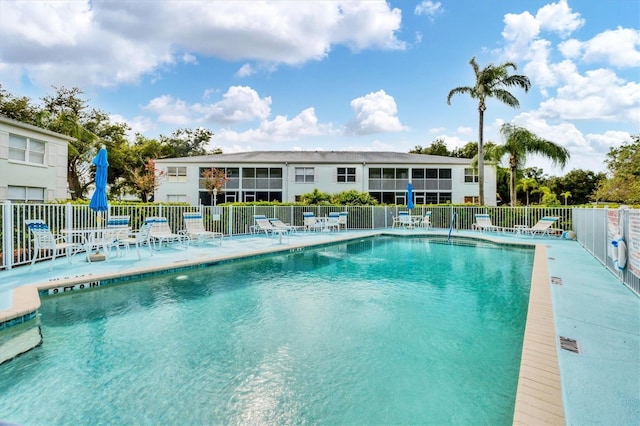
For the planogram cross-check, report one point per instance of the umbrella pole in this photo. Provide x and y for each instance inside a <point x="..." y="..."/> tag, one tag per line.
<point x="97" y="256"/>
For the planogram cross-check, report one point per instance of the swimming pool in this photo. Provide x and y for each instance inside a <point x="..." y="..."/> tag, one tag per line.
<point x="383" y="330"/>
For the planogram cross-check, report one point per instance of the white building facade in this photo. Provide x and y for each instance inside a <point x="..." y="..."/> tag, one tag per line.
<point x="33" y="163"/>
<point x="285" y="175"/>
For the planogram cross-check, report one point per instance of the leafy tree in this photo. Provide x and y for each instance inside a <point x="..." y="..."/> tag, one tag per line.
<point x="213" y="180"/>
<point x="581" y="184"/>
<point x="566" y="195"/>
<point x="491" y="82"/>
<point x="353" y="198"/>
<point x="526" y="185"/>
<point x="520" y="142"/>
<point x="186" y="143"/>
<point x="315" y="197"/>
<point x="437" y="147"/>
<point x="623" y="163"/>
<point x="19" y="109"/>
<point x="146" y="181"/>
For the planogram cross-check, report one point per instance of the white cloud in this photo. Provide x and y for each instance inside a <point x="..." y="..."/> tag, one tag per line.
<point x="598" y="95"/>
<point x="558" y="18"/>
<point x="170" y="110"/>
<point x="375" y="113"/>
<point x="239" y="103"/>
<point x="85" y="43"/>
<point x="618" y="47"/>
<point x="518" y="32"/>
<point x="428" y="8"/>
<point x="245" y="71"/>
<point x="465" y="130"/>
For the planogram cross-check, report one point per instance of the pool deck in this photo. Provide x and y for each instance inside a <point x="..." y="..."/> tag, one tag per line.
<point x="572" y="295"/>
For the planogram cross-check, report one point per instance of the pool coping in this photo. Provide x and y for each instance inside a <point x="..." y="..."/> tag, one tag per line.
<point x="539" y="390"/>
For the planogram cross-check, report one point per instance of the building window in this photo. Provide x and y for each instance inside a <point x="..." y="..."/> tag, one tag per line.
<point x="176" y="174"/>
<point x="468" y="199"/>
<point x="346" y="174"/>
<point x="26" y="149"/>
<point x="25" y="193"/>
<point x="305" y="174"/>
<point x="470" y="175"/>
<point x="176" y="198"/>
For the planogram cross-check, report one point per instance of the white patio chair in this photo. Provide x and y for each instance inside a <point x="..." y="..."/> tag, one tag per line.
<point x="118" y="228"/>
<point x="45" y="240"/>
<point x="196" y="231"/>
<point x="426" y="220"/>
<point x="140" y="238"/>
<point x="403" y="219"/>
<point x="280" y="224"/>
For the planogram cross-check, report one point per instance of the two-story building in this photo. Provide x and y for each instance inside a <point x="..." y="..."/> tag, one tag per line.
<point x="33" y="163"/>
<point x="286" y="175"/>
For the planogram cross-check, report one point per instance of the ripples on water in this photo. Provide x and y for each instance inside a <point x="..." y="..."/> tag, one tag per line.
<point x="376" y="331"/>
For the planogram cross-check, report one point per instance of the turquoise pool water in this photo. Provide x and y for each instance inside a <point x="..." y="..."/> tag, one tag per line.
<point x="383" y="330"/>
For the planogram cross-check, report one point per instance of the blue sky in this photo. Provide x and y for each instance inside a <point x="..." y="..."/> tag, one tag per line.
<point x="336" y="75"/>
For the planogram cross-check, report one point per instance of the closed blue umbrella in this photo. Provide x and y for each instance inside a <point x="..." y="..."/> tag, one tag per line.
<point x="99" y="199"/>
<point x="410" y="196"/>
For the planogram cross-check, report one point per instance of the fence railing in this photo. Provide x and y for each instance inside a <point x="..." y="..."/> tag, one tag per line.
<point x="591" y="227"/>
<point x="17" y="247"/>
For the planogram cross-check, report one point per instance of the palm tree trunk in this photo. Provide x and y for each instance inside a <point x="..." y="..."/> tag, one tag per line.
<point x="512" y="186"/>
<point x="481" y="109"/>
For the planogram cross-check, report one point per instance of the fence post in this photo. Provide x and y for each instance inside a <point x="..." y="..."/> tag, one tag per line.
<point x="7" y="232"/>
<point x="231" y="220"/>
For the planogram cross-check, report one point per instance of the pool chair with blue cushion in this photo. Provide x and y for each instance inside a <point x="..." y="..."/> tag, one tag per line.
<point x="161" y="233"/>
<point x="542" y="228"/>
<point x="118" y="229"/>
<point x="310" y="222"/>
<point x="342" y="220"/>
<point x="196" y="231"/>
<point x="483" y="223"/>
<point x="333" y="222"/>
<point x="45" y="240"/>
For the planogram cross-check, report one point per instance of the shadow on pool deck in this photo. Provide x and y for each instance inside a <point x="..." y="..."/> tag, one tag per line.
<point x="600" y="385"/>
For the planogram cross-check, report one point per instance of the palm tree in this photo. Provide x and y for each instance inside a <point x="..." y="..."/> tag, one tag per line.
<point x="526" y="184"/>
<point x="566" y="195"/>
<point x="518" y="143"/>
<point x="491" y="82"/>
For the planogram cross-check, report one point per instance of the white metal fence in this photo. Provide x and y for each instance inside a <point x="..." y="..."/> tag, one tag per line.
<point x="17" y="247"/>
<point x="590" y="226"/>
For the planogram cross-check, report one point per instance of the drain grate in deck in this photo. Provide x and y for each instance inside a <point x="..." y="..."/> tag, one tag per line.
<point x="551" y="258"/>
<point x="569" y="345"/>
<point x="556" y="280"/>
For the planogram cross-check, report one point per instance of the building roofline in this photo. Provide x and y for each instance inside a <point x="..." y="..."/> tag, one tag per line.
<point x="319" y="157"/>
<point x="33" y="128"/>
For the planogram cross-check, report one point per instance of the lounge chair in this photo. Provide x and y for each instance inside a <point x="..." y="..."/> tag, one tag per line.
<point x="161" y="232"/>
<point x="45" y="240"/>
<point x="196" y="231"/>
<point x="140" y="238"/>
<point x="483" y="223"/>
<point x="280" y="224"/>
<point x="542" y="228"/>
<point x="263" y="225"/>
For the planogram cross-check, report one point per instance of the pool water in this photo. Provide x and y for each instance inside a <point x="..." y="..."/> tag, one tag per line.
<point x="383" y="330"/>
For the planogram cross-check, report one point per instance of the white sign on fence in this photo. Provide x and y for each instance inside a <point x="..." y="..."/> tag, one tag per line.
<point x="634" y="242"/>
